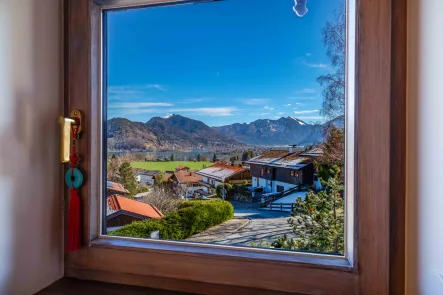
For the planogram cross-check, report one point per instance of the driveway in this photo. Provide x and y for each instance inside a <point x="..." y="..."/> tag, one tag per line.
<point x="248" y="225"/>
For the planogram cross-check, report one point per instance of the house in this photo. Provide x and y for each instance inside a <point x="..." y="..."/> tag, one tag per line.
<point x="146" y="176"/>
<point x="281" y="170"/>
<point x="186" y="182"/>
<point x="167" y="176"/>
<point x="180" y="167"/>
<point x="113" y="188"/>
<point x="222" y="173"/>
<point x="122" y="211"/>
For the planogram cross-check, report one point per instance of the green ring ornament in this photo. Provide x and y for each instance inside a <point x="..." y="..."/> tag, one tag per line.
<point x="73" y="176"/>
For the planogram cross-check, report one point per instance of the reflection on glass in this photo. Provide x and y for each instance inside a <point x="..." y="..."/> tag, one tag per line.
<point x="226" y="124"/>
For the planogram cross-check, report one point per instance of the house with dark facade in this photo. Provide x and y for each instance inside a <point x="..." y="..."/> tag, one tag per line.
<point x="221" y="173"/>
<point x="280" y="170"/>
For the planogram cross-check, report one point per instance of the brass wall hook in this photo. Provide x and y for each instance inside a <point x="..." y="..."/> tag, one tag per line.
<point x="65" y="133"/>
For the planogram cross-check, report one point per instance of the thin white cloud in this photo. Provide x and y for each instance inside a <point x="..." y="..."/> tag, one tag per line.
<point x="139" y="104"/>
<point x="213" y="112"/>
<point x="306" y="112"/>
<point x="121" y="89"/>
<point x="299" y="104"/>
<point x="154" y="86"/>
<point x="193" y="100"/>
<point x="268" y="108"/>
<point x="261" y="114"/>
<point x="302" y="60"/>
<point x="256" y="101"/>
<point x="315" y="65"/>
<point x="137" y="111"/>
<point x="306" y="90"/>
<point x="280" y="113"/>
<point x="302" y="98"/>
<point x="287" y="105"/>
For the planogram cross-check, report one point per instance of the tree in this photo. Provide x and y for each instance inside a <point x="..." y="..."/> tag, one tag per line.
<point x="318" y="221"/>
<point x="333" y="155"/>
<point x="112" y="169"/>
<point x="247" y="155"/>
<point x="224" y="190"/>
<point x="163" y="198"/>
<point x="159" y="179"/>
<point x="127" y="177"/>
<point x="172" y="157"/>
<point x="334" y="38"/>
<point x="214" y="158"/>
<point x="199" y="157"/>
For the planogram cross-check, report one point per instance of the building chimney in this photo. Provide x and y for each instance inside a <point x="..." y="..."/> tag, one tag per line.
<point x="292" y="148"/>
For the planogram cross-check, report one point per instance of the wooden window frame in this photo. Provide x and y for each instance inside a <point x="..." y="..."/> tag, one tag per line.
<point x="378" y="261"/>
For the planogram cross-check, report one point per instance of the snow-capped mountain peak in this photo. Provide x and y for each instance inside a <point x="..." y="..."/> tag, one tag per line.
<point x="168" y="116"/>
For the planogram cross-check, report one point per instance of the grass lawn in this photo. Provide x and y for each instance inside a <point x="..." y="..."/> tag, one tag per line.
<point x="170" y="166"/>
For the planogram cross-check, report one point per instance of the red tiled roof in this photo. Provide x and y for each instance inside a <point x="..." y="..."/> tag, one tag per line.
<point x="187" y="177"/>
<point x="117" y="203"/>
<point x="116" y="187"/>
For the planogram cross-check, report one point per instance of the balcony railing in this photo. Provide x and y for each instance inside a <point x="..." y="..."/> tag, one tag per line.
<point x="205" y="184"/>
<point x="202" y="192"/>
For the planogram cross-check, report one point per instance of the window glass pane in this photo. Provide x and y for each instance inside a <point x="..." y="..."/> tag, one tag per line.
<point x="225" y="123"/>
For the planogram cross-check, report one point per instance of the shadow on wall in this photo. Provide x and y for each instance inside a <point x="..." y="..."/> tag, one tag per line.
<point x="31" y="219"/>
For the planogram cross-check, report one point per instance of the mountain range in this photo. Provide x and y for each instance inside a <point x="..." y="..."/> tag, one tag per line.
<point x="175" y="132"/>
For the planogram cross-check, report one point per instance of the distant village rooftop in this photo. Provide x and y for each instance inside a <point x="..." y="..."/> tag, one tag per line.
<point x="116" y="187"/>
<point x="221" y="171"/>
<point x="184" y="176"/>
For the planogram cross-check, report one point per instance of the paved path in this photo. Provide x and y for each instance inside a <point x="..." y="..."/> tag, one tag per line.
<point x="219" y="232"/>
<point x="257" y="226"/>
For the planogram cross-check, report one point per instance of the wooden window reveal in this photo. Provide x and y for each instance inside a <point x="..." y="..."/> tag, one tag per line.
<point x="378" y="252"/>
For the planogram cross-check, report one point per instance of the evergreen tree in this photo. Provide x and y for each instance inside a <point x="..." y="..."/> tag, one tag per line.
<point x="172" y="157"/>
<point x="318" y="221"/>
<point x="127" y="178"/>
<point x="199" y="157"/>
<point x="214" y="158"/>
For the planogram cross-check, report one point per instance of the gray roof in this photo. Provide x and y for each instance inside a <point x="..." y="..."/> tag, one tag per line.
<point x="282" y="159"/>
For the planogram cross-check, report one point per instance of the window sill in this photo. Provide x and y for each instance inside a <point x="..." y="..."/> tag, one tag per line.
<point x="321" y="261"/>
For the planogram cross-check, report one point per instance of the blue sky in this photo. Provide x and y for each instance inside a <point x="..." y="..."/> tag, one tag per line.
<point x="225" y="62"/>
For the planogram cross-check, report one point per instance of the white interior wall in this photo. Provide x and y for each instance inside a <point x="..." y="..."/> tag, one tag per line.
<point x="31" y="244"/>
<point x="424" y="230"/>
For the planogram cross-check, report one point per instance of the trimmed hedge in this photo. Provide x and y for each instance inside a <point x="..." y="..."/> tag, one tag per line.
<point x="191" y="218"/>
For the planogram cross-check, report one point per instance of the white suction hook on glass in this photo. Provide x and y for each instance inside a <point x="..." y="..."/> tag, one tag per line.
<point x="300" y="7"/>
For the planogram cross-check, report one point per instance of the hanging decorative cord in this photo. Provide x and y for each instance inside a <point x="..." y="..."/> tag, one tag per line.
<point x="74" y="180"/>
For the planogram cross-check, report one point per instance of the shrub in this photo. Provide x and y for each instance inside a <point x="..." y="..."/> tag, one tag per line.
<point x="191" y="218"/>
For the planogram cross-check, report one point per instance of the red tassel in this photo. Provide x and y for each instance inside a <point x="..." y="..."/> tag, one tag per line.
<point x="74" y="230"/>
